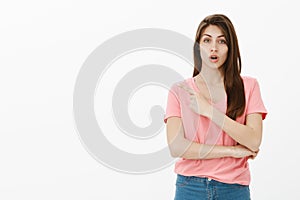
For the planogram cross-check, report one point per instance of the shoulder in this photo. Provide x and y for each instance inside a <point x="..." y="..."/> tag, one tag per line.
<point x="251" y="85"/>
<point x="177" y="91"/>
<point x="187" y="81"/>
<point x="249" y="82"/>
<point x="248" y="79"/>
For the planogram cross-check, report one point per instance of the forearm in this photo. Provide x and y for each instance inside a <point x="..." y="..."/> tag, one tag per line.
<point x="182" y="147"/>
<point x="241" y="133"/>
<point x="193" y="150"/>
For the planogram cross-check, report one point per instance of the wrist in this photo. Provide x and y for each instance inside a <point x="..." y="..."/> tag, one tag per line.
<point x="209" y="112"/>
<point x="217" y="117"/>
<point x="231" y="152"/>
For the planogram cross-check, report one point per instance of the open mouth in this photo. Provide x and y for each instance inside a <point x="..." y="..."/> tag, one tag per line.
<point x="214" y="58"/>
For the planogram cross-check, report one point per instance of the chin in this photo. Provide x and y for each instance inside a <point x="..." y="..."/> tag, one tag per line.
<point x="213" y="65"/>
<point x="216" y="66"/>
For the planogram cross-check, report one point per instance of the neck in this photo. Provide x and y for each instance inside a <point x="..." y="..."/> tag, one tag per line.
<point x="212" y="76"/>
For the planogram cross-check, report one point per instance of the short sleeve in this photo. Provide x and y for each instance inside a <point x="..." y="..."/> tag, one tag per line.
<point x="173" y="108"/>
<point x="255" y="104"/>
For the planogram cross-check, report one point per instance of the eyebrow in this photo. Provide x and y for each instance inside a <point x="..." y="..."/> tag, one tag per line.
<point x="211" y="36"/>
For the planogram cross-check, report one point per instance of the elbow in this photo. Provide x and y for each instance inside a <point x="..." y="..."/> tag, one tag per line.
<point x="254" y="148"/>
<point x="177" y="150"/>
<point x="177" y="147"/>
<point x="255" y="145"/>
<point x="174" y="152"/>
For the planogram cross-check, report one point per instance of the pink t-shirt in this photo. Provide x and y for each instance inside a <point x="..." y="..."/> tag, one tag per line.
<point x="202" y="130"/>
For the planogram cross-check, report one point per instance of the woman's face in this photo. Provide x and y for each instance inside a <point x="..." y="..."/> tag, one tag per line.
<point x="213" y="47"/>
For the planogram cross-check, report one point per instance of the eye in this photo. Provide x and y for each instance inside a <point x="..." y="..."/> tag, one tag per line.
<point x="222" y="41"/>
<point x="206" y="40"/>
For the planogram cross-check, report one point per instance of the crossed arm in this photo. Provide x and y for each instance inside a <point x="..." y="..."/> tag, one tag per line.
<point x="249" y="135"/>
<point x="181" y="147"/>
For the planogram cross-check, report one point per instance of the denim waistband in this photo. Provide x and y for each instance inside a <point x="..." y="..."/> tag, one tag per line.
<point x="206" y="180"/>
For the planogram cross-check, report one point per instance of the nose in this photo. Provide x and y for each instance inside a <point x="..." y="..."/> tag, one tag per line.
<point x="213" y="47"/>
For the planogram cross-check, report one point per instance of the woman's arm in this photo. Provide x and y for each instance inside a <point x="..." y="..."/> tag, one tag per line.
<point x="181" y="147"/>
<point x="249" y="135"/>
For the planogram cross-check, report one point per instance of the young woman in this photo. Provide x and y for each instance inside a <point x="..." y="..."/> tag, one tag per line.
<point x="214" y="119"/>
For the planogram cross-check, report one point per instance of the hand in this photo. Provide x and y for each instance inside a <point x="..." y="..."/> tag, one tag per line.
<point x="240" y="152"/>
<point x="253" y="157"/>
<point x="198" y="103"/>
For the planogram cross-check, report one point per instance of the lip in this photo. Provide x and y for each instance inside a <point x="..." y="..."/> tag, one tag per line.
<point x="214" y="60"/>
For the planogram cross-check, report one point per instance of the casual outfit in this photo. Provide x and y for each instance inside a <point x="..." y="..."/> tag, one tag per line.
<point x="203" y="176"/>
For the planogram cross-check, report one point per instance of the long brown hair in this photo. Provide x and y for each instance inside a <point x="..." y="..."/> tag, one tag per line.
<point x="231" y="68"/>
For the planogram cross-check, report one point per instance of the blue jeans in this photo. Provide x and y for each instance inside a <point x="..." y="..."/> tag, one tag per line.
<point x="197" y="188"/>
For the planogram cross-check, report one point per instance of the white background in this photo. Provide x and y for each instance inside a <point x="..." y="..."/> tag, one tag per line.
<point x="42" y="47"/>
